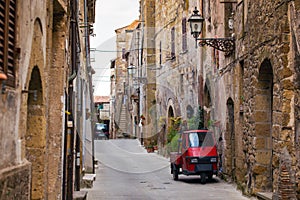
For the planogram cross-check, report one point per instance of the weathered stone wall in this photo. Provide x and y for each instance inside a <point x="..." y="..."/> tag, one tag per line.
<point x="259" y="83"/>
<point x="219" y="91"/>
<point x="30" y="132"/>
<point x="14" y="182"/>
<point x="268" y="38"/>
<point x="176" y="75"/>
<point x="295" y="34"/>
<point x="13" y="112"/>
<point x="58" y="62"/>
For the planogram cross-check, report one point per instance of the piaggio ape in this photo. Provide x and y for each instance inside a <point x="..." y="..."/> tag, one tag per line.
<point x="196" y="155"/>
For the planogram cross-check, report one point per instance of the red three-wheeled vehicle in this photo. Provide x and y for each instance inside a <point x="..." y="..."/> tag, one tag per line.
<point x="196" y="155"/>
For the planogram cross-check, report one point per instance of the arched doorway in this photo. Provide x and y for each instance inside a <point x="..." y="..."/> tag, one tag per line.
<point x="35" y="137"/>
<point x="170" y="124"/>
<point x="230" y="161"/>
<point x="36" y="122"/>
<point x="263" y="127"/>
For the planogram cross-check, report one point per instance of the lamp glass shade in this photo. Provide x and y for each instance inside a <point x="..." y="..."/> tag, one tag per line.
<point x="196" y="22"/>
<point x="131" y="69"/>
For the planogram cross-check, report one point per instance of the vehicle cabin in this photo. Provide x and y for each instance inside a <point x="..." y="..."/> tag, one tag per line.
<point x="196" y="155"/>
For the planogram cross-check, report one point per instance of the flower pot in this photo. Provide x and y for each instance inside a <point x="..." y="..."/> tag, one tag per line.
<point x="150" y="149"/>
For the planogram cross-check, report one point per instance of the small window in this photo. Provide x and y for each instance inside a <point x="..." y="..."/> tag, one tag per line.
<point x="184" y="36"/>
<point x="7" y="39"/>
<point x="173" y="43"/>
<point x="123" y="53"/>
<point x="227" y="15"/>
<point x="160" y="53"/>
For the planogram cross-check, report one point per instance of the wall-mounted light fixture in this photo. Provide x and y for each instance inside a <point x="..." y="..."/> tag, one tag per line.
<point x="131" y="69"/>
<point x="226" y="45"/>
<point x="3" y="79"/>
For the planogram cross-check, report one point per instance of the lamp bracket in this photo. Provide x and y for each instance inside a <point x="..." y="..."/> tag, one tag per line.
<point x="226" y="45"/>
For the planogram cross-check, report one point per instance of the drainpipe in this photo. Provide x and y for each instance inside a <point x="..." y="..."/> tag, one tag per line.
<point x="69" y="116"/>
<point x="89" y="70"/>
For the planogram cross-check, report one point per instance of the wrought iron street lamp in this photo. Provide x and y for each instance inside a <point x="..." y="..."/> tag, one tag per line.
<point x="226" y="45"/>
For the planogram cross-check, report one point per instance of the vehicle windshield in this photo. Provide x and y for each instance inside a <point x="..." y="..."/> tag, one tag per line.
<point x="101" y="127"/>
<point x="201" y="139"/>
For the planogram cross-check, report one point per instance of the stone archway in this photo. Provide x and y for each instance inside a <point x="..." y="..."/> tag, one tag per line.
<point x="230" y="156"/>
<point x="262" y="170"/>
<point x="170" y="115"/>
<point x="35" y="137"/>
<point x="170" y="124"/>
<point x="36" y="122"/>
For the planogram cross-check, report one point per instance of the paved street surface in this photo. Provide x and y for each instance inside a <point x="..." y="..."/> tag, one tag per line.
<point x="127" y="171"/>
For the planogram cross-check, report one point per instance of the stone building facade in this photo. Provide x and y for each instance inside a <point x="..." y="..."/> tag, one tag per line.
<point x="267" y="60"/>
<point x="249" y="96"/>
<point x="175" y="68"/>
<point x="124" y="75"/>
<point x="36" y="61"/>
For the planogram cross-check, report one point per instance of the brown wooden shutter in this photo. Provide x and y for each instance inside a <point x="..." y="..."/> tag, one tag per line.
<point x="2" y="34"/>
<point x="7" y="39"/>
<point x="11" y="43"/>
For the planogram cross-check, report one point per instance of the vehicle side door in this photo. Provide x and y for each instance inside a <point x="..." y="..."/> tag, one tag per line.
<point x="185" y="146"/>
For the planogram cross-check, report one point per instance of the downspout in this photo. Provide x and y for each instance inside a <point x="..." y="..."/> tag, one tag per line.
<point x="69" y="116"/>
<point x="78" y="132"/>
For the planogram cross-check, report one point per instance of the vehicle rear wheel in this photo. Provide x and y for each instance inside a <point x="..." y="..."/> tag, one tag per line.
<point x="175" y="173"/>
<point x="203" y="178"/>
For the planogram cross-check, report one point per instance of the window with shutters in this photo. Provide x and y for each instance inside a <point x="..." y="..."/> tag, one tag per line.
<point x="7" y="39"/>
<point x="184" y="37"/>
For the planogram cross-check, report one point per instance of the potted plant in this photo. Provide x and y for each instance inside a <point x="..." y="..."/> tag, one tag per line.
<point x="150" y="148"/>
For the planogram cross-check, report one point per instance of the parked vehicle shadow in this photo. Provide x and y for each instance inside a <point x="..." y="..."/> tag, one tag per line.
<point x="197" y="180"/>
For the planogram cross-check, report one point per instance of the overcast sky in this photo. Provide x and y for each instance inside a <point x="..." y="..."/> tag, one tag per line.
<point x="110" y="15"/>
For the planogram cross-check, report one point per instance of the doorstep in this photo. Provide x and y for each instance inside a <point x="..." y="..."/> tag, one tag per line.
<point x="87" y="180"/>
<point x="79" y="195"/>
<point x="264" y="195"/>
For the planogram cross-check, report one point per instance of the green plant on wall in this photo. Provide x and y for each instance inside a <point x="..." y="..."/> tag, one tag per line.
<point x="173" y="144"/>
<point x="210" y="123"/>
<point x="162" y="121"/>
<point x="173" y="127"/>
<point x="171" y="134"/>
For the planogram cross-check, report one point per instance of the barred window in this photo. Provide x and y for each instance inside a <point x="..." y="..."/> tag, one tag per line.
<point x="7" y="39"/>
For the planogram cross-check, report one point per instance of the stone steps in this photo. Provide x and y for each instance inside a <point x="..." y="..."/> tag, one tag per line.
<point x="123" y="120"/>
<point x="79" y="195"/>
